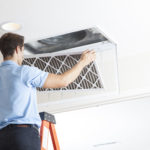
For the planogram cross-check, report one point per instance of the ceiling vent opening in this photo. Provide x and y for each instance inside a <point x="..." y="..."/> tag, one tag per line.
<point x="57" y="54"/>
<point x="66" y="41"/>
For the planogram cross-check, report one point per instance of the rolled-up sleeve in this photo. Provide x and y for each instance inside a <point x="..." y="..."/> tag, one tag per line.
<point x="32" y="76"/>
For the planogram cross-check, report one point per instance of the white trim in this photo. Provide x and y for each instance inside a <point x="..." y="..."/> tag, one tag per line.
<point x="60" y="106"/>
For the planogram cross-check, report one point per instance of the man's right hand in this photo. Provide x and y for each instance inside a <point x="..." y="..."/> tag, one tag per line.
<point x="87" y="57"/>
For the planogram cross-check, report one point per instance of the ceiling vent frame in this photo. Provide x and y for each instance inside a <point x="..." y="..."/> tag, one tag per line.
<point x="49" y="97"/>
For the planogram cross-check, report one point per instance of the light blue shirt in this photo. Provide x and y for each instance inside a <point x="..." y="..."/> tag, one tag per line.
<point x="18" y="102"/>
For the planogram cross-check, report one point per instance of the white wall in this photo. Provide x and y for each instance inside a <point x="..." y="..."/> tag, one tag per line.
<point x="125" y="123"/>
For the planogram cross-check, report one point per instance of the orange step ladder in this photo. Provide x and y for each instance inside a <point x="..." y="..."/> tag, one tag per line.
<point x="48" y="126"/>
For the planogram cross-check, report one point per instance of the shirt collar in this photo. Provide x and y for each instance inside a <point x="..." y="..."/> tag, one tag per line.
<point x="8" y="62"/>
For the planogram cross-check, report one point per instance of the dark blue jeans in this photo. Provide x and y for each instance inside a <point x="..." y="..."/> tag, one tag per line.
<point x="20" y="138"/>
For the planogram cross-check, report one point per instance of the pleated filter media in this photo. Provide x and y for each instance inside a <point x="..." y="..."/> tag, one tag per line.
<point x="88" y="78"/>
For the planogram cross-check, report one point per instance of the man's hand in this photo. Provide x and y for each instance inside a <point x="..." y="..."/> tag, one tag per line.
<point x="87" y="57"/>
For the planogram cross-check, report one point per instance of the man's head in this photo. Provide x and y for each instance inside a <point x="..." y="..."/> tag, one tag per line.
<point x="12" y="47"/>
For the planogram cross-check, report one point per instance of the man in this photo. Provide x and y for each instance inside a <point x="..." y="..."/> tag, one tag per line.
<point x="19" y="117"/>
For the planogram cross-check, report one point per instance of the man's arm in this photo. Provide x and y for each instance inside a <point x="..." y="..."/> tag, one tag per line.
<point x="64" y="79"/>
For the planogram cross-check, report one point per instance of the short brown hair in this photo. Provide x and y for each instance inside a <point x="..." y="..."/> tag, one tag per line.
<point x="9" y="42"/>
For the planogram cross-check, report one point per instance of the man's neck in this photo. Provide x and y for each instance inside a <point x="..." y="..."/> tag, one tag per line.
<point x="11" y="58"/>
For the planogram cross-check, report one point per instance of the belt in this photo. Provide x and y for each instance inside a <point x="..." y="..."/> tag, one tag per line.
<point x="22" y="125"/>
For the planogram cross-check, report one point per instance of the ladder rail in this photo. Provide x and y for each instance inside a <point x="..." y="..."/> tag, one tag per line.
<point x="48" y="127"/>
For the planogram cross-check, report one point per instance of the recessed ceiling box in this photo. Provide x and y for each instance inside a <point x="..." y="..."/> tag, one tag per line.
<point x="96" y="82"/>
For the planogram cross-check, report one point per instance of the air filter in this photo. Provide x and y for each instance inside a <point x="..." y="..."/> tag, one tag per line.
<point x="88" y="79"/>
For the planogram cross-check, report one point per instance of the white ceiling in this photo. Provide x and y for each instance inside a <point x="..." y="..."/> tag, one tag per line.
<point x="126" y="22"/>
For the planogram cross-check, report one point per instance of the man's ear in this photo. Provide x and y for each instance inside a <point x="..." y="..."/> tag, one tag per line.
<point x="17" y="49"/>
